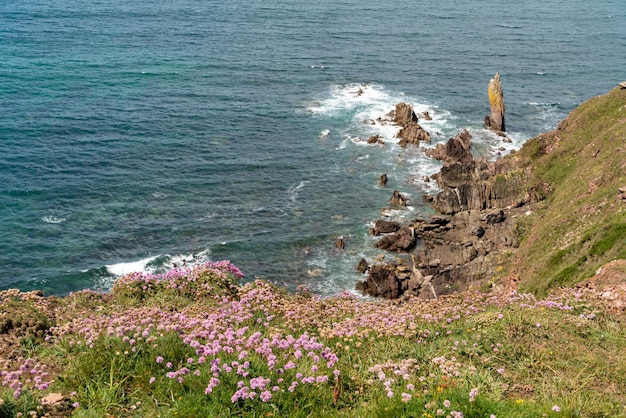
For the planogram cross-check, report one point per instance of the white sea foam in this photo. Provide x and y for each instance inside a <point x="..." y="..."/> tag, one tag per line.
<point x="324" y="134"/>
<point x="53" y="219"/>
<point x="121" y="269"/>
<point x="294" y="190"/>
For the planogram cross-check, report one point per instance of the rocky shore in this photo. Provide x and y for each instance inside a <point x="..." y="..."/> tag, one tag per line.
<point x="474" y="232"/>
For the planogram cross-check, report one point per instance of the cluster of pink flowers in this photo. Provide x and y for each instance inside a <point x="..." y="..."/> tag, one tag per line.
<point x="30" y="374"/>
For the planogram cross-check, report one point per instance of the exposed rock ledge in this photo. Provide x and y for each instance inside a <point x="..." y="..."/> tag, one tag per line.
<point x="463" y="245"/>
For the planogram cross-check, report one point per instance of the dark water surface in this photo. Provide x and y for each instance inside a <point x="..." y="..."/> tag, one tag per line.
<point x="138" y="134"/>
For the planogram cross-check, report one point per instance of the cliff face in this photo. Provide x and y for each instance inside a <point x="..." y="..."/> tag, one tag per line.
<point x="548" y="215"/>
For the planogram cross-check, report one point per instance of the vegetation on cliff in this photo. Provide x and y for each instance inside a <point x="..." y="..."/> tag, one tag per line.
<point x="581" y="225"/>
<point x="192" y="343"/>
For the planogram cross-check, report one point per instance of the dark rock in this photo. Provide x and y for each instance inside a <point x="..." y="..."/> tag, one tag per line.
<point x="384" y="227"/>
<point x="402" y="241"/>
<point x="381" y="282"/>
<point x="375" y="139"/>
<point x="457" y="149"/>
<point x="340" y="244"/>
<point x="362" y="267"/>
<point x="494" y="217"/>
<point x="478" y="231"/>
<point x="398" y="199"/>
<point x="383" y="180"/>
<point x="425" y="115"/>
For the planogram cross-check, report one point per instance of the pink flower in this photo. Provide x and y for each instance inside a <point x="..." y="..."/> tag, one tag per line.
<point x="159" y="359"/>
<point x="266" y="396"/>
<point x="556" y="408"/>
<point x="446" y="403"/>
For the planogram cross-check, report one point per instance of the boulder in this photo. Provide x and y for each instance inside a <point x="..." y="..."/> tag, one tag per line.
<point x="478" y="231"/>
<point x="382" y="181"/>
<point x="384" y="227"/>
<point x="494" y="217"/>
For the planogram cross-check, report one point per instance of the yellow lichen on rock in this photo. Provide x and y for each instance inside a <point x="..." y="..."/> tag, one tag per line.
<point x="496" y="102"/>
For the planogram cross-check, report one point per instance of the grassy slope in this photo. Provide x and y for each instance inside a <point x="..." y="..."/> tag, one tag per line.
<point x="582" y="225"/>
<point x="477" y="354"/>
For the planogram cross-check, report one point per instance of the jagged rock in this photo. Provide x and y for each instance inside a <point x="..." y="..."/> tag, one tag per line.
<point x="362" y="267"/>
<point x="424" y="115"/>
<point x="457" y="149"/>
<point x="340" y="244"/>
<point x="381" y="282"/>
<point x="384" y="227"/>
<point x="398" y="199"/>
<point x="404" y="115"/>
<point x="375" y="139"/>
<point x="413" y="134"/>
<point x="383" y="180"/>
<point x="401" y="241"/>
<point x="494" y="217"/>
<point x="495" y="120"/>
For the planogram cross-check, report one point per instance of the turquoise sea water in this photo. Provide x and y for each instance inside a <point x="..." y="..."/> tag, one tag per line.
<point x="135" y="135"/>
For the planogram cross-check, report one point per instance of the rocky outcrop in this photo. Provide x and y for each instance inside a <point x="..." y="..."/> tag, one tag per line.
<point x="495" y="120"/>
<point x="384" y="227"/>
<point x="471" y="184"/>
<point x="401" y="241"/>
<point x="398" y="199"/>
<point x="375" y="139"/>
<point x="411" y="132"/>
<point x="461" y="247"/>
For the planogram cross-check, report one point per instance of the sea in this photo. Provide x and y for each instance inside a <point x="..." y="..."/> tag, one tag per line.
<point x="143" y="135"/>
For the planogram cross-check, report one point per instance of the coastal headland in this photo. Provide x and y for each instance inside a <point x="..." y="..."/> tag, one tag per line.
<point x="511" y="302"/>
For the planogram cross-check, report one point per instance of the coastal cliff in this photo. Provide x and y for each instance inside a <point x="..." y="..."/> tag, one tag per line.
<point x="551" y="214"/>
<point x="196" y="342"/>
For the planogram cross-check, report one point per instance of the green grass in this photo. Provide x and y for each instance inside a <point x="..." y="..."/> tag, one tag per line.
<point x="580" y="225"/>
<point x="507" y="347"/>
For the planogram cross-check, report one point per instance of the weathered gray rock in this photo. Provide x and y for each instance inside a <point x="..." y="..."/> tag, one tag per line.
<point x="384" y="227"/>
<point x="494" y="217"/>
<point x="402" y="241"/>
<point x="381" y="281"/>
<point x="398" y="199"/>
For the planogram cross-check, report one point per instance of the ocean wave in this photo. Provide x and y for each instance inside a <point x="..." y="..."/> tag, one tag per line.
<point x="121" y="269"/>
<point x="294" y="190"/>
<point x="53" y="219"/>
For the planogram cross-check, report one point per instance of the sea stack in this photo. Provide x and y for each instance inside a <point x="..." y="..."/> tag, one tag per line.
<point x="495" y="121"/>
